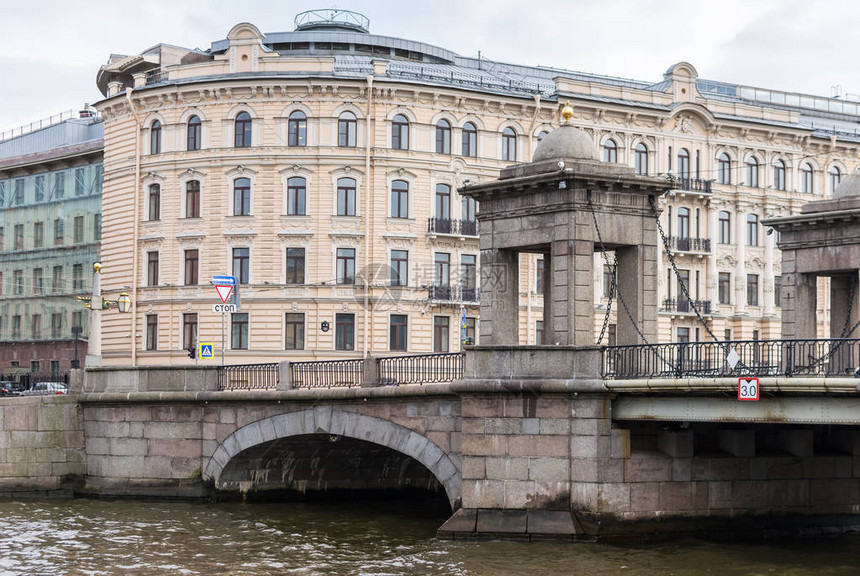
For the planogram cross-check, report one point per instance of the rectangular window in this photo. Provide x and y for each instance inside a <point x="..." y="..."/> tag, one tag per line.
<point x="399" y="199"/>
<point x="295" y="331"/>
<point x="470" y="332"/>
<point x="189" y="331"/>
<point x="56" y="325"/>
<point x="239" y="331"/>
<point x="539" y="274"/>
<point x="38" y="281"/>
<point x="295" y="266"/>
<point x="78" y="277"/>
<point x="242" y="197"/>
<point x="38" y="234"/>
<point x="442" y="269"/>
<point x="346" y="266"/>
<point x="192" y="199"/>
<point x="346" y="197"/>
<point x="19" y="192"/>
<point x="612" y="335"/>
<point x="242" y="264"/>
<point x="36" y="327"/>
<point x="469" y="278"/>
<point x="752" y="230"/>
<point x="97" y="227"/>
<point x="59" y="185"/>
<point x="682" y="335"/>
<point x="155" y="202"/>
<point x="57" y="280"/>
<point x="777" y="289"/>
<point x="727" y="334"/>
<point x="441" y="333"/>
<point x="152" y="331"/>
<point x="344" y="331"/>
<point x="2" y="238"/>
<point x="59" y="231"/>
<point x="192" y="260"/>
<point x="40" y="188"/>
<point x="539" y="332"/>
<point x="152" y="268"/>
<point x="80" y="186"/>
<point x="78" y="229"/>
<point x="19" y="236"/>
<point x="18" y="282"/>
<point x="725" y="288"/>
<point x="55" y="367"/>
<point x="607" y="281"/>
<point x="752" y="289"/>
<point x="397" y="333"/>
<point x="78" y="318"/>
<point x="34" y="366"/>
<point x="725" y="228"/>
<point x="16" y="326"/>
<point x="399" y="268"/>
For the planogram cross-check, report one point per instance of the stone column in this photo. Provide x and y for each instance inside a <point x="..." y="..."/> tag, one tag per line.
<point x="500" y="297"/>
<point x="635" y="281"/>
<point x="840" y="290"/>
<point x="740" y="267"/>
<point x="798" y="307"/>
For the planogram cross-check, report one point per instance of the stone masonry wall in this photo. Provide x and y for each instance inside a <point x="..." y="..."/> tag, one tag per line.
<point x="41" y="445"/>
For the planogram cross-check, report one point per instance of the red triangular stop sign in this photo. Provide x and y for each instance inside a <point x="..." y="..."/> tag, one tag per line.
<point x="224" y="292"/>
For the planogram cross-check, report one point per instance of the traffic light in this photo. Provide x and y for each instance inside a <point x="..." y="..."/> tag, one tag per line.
<point x="192" y="352"/>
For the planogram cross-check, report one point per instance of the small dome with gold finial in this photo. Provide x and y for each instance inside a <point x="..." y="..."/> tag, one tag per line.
<point x="566" y="141"/>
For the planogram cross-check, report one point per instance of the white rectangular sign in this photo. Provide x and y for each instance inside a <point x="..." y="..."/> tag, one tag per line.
<point x="748" y="389"/>
<point x="223" y="308"/>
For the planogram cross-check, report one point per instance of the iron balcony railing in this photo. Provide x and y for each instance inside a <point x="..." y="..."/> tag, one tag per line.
<point x="421" y="368"/>
<point x="693" y="185"/>
<point x="248" y="377"/>
<point x="684" y="306"/>
<point x="453" y="227"/>
<point x="327" y="373"/>
<point x="827" y="357"/>
<point x="444" y="293"/>
<point x="690" y="244"/>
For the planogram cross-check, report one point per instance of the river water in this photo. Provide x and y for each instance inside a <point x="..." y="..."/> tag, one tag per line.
<point x="92" y="537"/>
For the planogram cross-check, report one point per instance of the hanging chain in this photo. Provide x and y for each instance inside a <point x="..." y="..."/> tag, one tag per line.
<point x="612" y="289"/>
<point x="845" y="330"/>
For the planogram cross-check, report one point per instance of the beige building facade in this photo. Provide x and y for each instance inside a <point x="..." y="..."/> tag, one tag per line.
<point x="321" y="167"/>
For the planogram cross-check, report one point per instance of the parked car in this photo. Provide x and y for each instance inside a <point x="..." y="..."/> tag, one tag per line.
<point x="47" y="388"/>
<point x="10" y="388"/>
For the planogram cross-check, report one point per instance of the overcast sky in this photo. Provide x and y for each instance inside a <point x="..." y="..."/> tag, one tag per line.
<point x="50" y="50"/>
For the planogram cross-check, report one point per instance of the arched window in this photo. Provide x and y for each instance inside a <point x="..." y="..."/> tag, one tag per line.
<point x="399" y="199"/>
<point x="806" y="179"/>
<point x="346" y="200"/>
<point x="725" y="227"/>
<point x="752" y="230"/>
<point x="509" y="144"/>
<point x="683" y="164"/>
<point x="400" y="132"/>
<point x="724" y="169"/>
<point x="242" y="130"/>
<point x="470" y="140"/>
<point x="155" y="138"/>
<point x="443" y="137"/>
<point x="194" y="133"/>
<point x="779" y="175"/>
<point x="835" y="178"/>
<point x="192" y="199"/>
<point x="346" y="129"/>
<point x="296" y="196"/>
<point x="610" y="151"/>
<point x="443" y="208"/>
<point x="297" y="129"/>
<point x="640" y="154"/>
<point x="154" y="202"/>
<point x="541" y="135"/>
<point x="241" y="197"/>
<point x="752" y="172"/>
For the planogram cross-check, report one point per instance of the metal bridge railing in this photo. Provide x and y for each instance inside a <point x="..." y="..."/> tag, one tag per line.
<point x="823" y="357"/>
<point x="421" y="368"/>
<point x="248" y="377"/>
<point x="327" y="373"/>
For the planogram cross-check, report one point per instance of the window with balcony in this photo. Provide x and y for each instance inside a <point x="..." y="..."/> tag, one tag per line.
<point x="295" y="266"/>
<point x="443" y="137"/>
<point x="345" y="272"/>
<point x="752" y="230"/>
<point x="806" y="183"/>
<point x="155" y="137"/>
<point x="509" y="144"/>
<point x="242" y="265"/>
<point x="239" y="329"/>
<point x="683" y="231"/>
<point x="441" y="334"/>
<point x="779" y="175"/>
<point x="346" y="197"/>
<point x="400" y="132"/>
<point x="297" y="129"/>
<point x="470" y="140"/>
<point x="296" y="196"/>
<point x="443" y="209"/>
<point x="469" y="278"/>
<point x="294" y="330"/>
<point x="684" y="164"/>
<point x="242" y="197"/>
<point x="442" y="276"/>
<point x="752" y="172"/>
<point x="154" y="202"/>
<point x="400" y="199"/>
<point x="399" y="268"/>
<point x="610" y="151"/>
<point x="724" y="169"/>
<point x="640" y="158"/>
<point x="344" y="331"/>
<point x="242" y="130"/>
<point x="468" y="223"/>
<point x="192" y="266"/>
<point x="193" y="132"/>
<point x="346" y="130"/>
<point x="397" y="332"/>
<point x="724" y="288"/>
<point x="192" y="199"/>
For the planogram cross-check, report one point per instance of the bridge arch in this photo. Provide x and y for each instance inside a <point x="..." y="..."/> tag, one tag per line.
<point x="335" y="422"/>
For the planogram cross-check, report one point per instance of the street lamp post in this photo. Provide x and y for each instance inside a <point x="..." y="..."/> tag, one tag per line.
<point x="123" y="304"/>
<point x="76" y="330"/>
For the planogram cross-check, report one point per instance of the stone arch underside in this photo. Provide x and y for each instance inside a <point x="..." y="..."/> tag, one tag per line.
<point x="312" y="429"/>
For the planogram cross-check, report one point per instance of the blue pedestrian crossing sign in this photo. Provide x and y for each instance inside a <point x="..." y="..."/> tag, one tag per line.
<point x="207" y="351"/>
